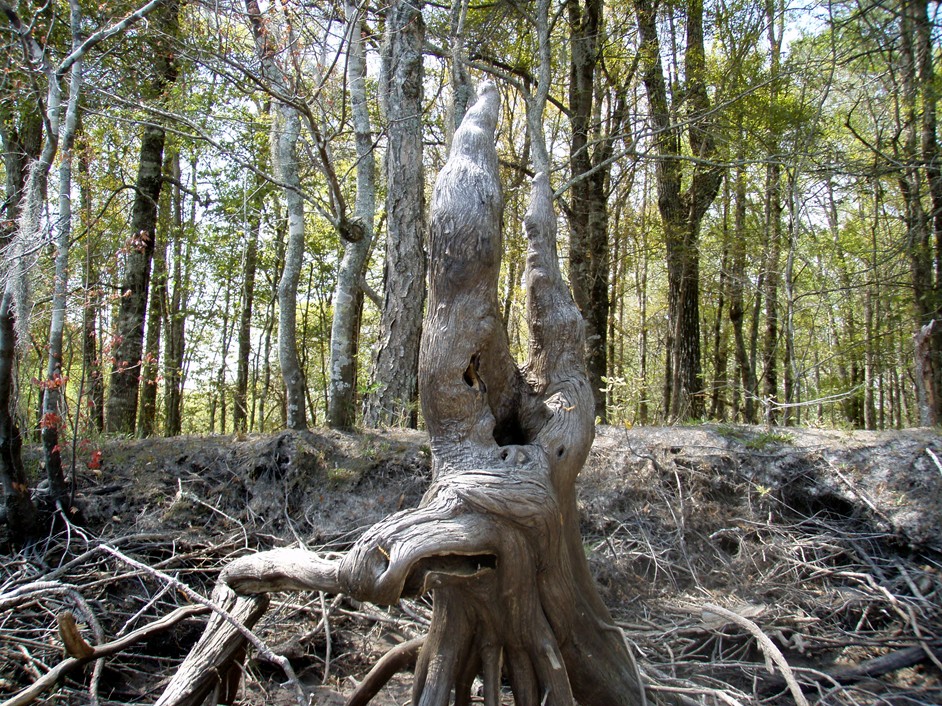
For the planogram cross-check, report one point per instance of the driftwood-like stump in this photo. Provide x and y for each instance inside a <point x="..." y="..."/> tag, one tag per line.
<point x="496" y="537"/>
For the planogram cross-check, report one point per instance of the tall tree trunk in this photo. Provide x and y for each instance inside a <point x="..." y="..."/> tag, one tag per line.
<point x="792" y="412"/>
<point x="156" y="313"/>
<point x="720" y="342"/>
<point x="252" y="220"/>
<point x="393" y="400"/>
<point x="129" y="329"/>
<point x="175" y="319"/>
<point x="22" y="142"/>
<point x="123" y="392"/>
<point x="18" y="511"/>
<point x="348" y="293"/>
<point x="462" y="88"/>
<point x="588" y="212"/>
<point x="225" y="342"/>
<point x="847" y="334"/>
<point x="681" y="211"/>
<point x="285" y="133"/>
<point x="94" y="392"/>
<point x="641" y="292"/>
<point x="772" y="276"/>
<point x="53" y="418"/>
<point x="773" y="232"/>
<point x="745" y="364"/>
<point x="923" y="167"/>
<point x="270" y="317"/>
<point x="876" y="408"/>
<point x="22" y="136"/>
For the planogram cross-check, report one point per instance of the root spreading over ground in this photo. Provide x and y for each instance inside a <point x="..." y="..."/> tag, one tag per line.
<point x="745" y="565"/>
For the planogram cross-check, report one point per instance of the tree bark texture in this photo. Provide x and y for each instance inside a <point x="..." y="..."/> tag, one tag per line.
<point x="18" y="511"/>
<point x="147" y="414"/>
<point x="773" y="231"/>
<point x="348" y="293"/>
<point x="253" y="224"/>
<point x="921" y="186"/>
<point x="588" y="213"/>
<point x="94" y="389"/>
<point x="22" y="141"/>
<point x="746" y="379"/>
<point x="123" y="394"/>
<point x="121" y="413"/>
<point x="681" y="210"/>
<point x="392" y="400"/>
<point x="496" y="537"/>
<point x="157" y="311"/>
<point x="52" y="422"/>
<point x="175" y="318"/>
<point x="285" y="133"/>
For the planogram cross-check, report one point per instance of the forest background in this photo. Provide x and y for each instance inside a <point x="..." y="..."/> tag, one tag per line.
<point x="214" y="214"/>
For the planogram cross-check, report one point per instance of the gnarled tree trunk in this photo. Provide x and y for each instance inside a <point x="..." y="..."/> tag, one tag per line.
<point x="496" y="537"/>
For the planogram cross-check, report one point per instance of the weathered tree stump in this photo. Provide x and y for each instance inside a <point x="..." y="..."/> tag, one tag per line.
<point x="496" y="537"/>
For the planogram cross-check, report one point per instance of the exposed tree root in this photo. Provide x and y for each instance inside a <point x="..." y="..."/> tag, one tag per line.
<point x="398" y="659"/>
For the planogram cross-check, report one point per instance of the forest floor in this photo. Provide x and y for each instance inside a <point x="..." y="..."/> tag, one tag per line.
<point x="733" y="558"/>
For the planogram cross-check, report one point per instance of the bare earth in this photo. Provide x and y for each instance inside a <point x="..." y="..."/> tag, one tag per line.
<point x="725" y="552"/>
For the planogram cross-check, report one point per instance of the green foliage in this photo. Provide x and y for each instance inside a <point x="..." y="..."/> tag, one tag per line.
<point x="755" y="440"/>
<point x="830" y="117"/>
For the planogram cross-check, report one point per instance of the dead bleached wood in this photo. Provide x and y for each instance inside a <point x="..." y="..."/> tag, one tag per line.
<point x="219" y="650"/>
<point x="496" y="537"/>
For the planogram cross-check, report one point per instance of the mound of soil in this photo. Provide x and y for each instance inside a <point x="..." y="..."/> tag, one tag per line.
<point x="319" y="486"/>
<point x="715" y="546"/>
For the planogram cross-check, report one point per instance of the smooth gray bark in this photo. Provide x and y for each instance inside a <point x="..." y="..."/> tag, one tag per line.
<point x="285" y="133"/>
<point x="54" y="398"/>
<point x="348" y="293"/>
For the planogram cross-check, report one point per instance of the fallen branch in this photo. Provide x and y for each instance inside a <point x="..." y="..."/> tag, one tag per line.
<point x="767" y="646"/>
<point x="220" y="649"/>
<point x="90" y="653"/>
<point x="884" y="664"/>
<point x="239" y="600"/>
